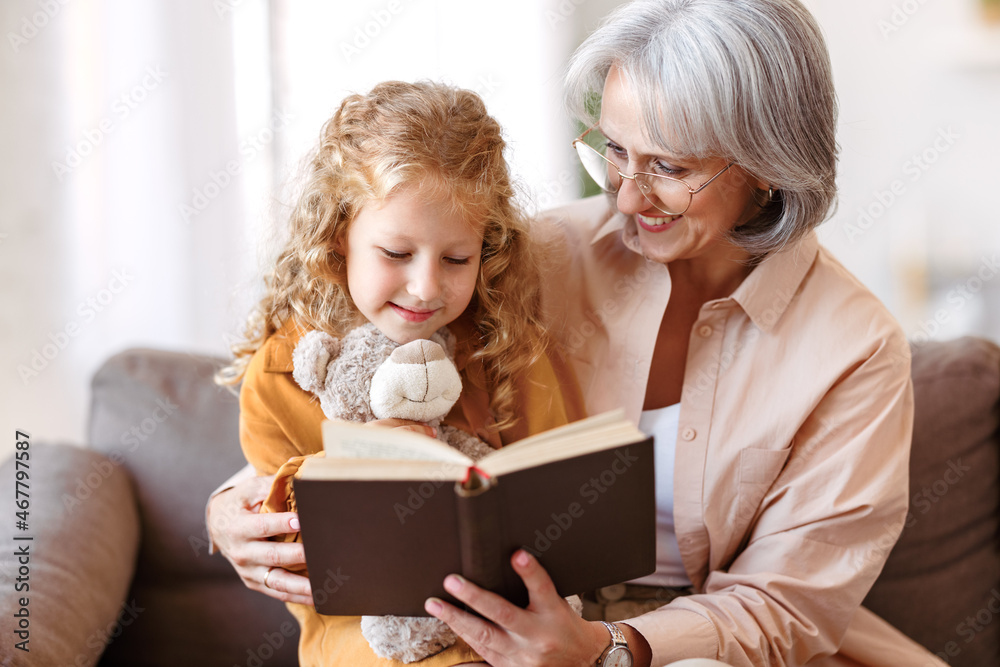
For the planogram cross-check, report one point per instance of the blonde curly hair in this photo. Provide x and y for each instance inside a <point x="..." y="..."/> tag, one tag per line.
<point x="442" y="140"/>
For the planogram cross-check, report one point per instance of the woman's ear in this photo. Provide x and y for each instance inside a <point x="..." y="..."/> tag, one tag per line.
<point x="763" y="192"/>
<point x="754" y="183"/>
<point x="759" y="184"/>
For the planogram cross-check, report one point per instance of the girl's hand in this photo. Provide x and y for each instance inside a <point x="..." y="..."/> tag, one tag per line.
<point x="419" y="427"/>
<point x="547" y="632"/>
<point x="241" y="534"/>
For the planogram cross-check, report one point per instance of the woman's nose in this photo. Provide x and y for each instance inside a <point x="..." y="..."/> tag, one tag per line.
<point x="630" y="200"/>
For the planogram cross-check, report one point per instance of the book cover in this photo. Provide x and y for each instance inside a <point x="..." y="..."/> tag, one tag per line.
<point x="381" y="534"/>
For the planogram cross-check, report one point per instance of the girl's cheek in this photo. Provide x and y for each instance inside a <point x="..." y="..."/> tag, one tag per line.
<point x="460" y="289"/>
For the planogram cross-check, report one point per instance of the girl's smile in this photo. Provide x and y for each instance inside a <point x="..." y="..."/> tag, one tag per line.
<point x="413" y="314"/>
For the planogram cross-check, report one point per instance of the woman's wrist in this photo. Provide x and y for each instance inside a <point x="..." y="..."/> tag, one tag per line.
<point x="601" y="639"/>
<point x="642" y="653"/>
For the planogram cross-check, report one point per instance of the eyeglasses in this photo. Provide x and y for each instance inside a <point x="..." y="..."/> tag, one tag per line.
<point x="667" y="194"/>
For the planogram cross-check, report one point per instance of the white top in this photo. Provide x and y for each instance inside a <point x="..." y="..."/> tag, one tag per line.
<point x="662" y="424"/>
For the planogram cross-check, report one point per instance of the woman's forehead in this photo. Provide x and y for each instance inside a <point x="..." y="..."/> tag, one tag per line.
<point x="654" y="121"/>
<point x="622" y="119"/>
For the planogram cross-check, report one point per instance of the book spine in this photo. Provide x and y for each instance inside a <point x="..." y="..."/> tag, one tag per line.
<point x="480" y="532"/>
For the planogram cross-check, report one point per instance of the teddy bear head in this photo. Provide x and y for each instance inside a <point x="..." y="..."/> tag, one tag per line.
<point x="366" y="376"/>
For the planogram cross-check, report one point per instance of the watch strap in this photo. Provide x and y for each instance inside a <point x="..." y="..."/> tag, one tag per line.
<point x="617" y="636"/>
<point x="618" y="642"/>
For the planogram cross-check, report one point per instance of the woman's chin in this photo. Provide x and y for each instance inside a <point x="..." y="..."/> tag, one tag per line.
<point x="661" y="253"/>
<point x="660" y="247"/>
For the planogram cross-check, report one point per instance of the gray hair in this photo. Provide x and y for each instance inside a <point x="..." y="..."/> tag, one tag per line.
<point x="749" y="81"/>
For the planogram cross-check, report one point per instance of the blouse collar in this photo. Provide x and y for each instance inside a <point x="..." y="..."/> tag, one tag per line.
<point x="766" y="292"/>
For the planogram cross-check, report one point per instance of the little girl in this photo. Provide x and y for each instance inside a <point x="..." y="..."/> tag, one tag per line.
<point x="407" y="221"/>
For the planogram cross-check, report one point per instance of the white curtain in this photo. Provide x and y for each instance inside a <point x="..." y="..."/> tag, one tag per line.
<point x="512" y="53"/>
<point x="120" y="225"/>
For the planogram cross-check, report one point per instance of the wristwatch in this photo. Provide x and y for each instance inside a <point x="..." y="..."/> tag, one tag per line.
<point x="618" y="653"/>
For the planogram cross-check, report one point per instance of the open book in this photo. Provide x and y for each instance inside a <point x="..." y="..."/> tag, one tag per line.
<point x="388" y="513"/>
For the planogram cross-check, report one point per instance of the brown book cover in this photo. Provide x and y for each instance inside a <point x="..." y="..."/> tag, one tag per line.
<point x="380" y="535"/>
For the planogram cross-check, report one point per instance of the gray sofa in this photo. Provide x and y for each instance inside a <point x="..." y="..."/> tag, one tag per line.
<point x="120" y="573"/>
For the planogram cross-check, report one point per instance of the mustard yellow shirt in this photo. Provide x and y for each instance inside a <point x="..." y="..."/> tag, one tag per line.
<point x="279" y="422"/>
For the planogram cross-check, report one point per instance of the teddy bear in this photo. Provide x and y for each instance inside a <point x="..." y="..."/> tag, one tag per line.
<point x="366" y="376"/>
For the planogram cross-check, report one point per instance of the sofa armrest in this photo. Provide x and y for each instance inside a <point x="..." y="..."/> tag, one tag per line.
<point x="944" y="573"/>
<point x="85" y="536"/>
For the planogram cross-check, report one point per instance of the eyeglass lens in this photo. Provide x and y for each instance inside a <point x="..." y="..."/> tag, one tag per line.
<point x="667" y="195"/>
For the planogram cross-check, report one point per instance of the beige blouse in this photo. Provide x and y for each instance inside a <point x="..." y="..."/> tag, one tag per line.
<point x="792" y="454"/>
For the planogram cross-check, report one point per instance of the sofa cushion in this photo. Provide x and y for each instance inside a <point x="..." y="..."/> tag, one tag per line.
<point x="941" y="584"/>
<point x="177" y="433"/>
<point x="85" y="536"/>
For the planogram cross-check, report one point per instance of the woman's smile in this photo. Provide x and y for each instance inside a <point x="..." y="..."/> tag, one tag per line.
<point x="657" y="223"/>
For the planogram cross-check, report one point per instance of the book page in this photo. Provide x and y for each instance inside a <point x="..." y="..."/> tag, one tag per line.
<point x="604" y="431"/>
<point x="348" y="440"/>
<point x="382" y="470"/>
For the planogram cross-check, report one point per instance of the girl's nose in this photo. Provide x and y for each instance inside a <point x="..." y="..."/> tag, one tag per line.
<point x="425" y="281"/>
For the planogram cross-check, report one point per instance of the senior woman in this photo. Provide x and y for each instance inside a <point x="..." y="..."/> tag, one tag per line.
<point x="697" y="296"/>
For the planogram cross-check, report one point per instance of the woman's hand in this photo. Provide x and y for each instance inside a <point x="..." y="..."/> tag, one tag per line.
<point x="547" y="632"/>
<point x="241" y="534"/>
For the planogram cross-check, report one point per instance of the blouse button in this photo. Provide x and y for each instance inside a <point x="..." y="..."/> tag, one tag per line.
<point x="705" y="331"/>
<point x="689" y="434"/>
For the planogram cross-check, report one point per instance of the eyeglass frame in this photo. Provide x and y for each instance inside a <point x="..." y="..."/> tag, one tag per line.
<point x="691" y="191"/>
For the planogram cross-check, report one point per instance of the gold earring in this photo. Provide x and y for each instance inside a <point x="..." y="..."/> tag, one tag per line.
<point x="770" y="197"/>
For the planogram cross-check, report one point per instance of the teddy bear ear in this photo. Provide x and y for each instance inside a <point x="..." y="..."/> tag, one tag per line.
<point x="312" y="357"/>
<point x="446" y="339"/>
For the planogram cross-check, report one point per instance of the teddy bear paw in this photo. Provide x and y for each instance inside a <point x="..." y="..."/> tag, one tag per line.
<point x="406" y="638"/>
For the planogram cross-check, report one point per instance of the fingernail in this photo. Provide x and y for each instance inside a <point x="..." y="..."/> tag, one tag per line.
<point x="294" y="523"/>
<point x="434" y="432"/>
<point x="521" y="558"/>
<point x="453" y="583"/>
<point x="433" y="606"/>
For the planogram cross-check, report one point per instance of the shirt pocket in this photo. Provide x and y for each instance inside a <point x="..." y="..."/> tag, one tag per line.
<point x="758" y="470"/>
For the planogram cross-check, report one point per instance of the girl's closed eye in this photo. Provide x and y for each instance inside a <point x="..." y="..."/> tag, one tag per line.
<point x="392" y="254"/>
<point x="399" y="256"/>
